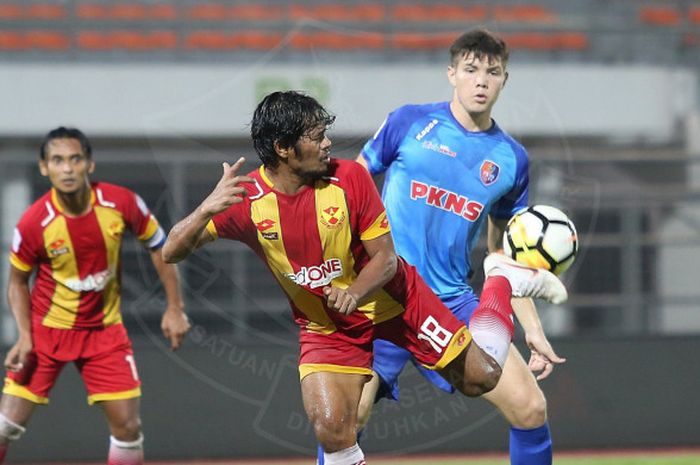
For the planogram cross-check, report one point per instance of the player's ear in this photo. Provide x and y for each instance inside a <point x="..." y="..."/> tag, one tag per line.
<point x="283" y="152"/>
<point x="451" y="71"/>
<point x="91" y="166"/>
<point x="43" y="167"/>
<point x="505" y="80"/>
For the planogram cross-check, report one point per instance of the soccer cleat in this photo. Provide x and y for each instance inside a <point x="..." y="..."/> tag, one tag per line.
<point x="525" y="281"/>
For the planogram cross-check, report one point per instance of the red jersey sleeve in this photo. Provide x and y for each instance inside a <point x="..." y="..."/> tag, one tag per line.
<point x="137" y="217"/>
<point x="26" y="247"/>
<point x="369" y="209"/>
<point x="232" y="223"/>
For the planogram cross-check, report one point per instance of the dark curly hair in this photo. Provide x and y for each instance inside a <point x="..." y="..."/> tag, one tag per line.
<point x="282" y="118"/>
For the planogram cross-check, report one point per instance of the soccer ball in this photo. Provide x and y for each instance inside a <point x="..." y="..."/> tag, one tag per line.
<point x="541" y="236"/>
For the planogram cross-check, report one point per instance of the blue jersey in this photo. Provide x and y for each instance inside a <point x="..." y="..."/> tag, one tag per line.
<point x="441" y="183"/>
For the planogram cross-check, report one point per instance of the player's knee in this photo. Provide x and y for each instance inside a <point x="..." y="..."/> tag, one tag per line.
<point x="532" y="412"/>
<point x="9" y="430"/>
<point x="482" y="372"/>
<point x="334" y="435"/>
<point x="483" y="381"/>
<point x="127" y="430"/>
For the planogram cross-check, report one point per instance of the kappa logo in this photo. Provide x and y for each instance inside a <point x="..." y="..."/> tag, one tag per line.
<point x="424" y="132"/>
<point x="489" y="172"/>
<point x="332" y="217"/>
<point x="264" y="227"/>
<point x="58" y="247"/>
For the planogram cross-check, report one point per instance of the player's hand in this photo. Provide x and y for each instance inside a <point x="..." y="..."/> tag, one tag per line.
<point x="542" y="356"/>
<point x="175" y="326"/>
<point x="340" y="300"/>
<point x="17" y="356"/>
<point x="228" y="190"/>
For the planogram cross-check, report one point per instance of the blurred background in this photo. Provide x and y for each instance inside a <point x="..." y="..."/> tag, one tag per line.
<point x="604" y="95"/>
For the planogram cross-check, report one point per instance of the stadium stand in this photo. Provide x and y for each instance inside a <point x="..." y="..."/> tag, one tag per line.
<point x="383" y="30"/>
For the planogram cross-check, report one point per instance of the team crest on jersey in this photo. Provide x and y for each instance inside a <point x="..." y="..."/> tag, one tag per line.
<point x="489" y="172"/>
<point x="58" y="247"/>
<point x="116" y="229"/>
<point x="332" y="217"/>
<point x="462" y="339"/>
<point x="264" y="227"/>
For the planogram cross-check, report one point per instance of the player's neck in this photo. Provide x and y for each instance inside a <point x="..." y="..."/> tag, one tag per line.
<point x="473" y="122"/>
<point x="286" y="181"/>
<point x="74" y="203"/>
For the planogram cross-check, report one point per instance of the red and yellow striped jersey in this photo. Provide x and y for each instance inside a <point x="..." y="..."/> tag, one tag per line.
<point x="314" y="238"/>
<point x="77" y="283"/>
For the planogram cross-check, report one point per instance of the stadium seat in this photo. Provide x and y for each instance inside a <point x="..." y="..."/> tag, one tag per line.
<point x="337" y="41"/>
<point x="243" y="12"/>
<point x="48" y="40"/>
<point x="44" y="11"/>
<point x="368" y="12"/>
<point x="438" y="12"/>
<point x="694" y="15"/>
<point x="660" y="15"/>
<point x="524" y="14"/>
<point x="547" y="41"/>
<point x="418" y="41"/>
<point x="127" y="40"/>
<point x="34" y="40"/>
<point x="223" y="41"/>
<point x="10" y="11"/>
<point x="126" y="11"/>
<point x="32" y="11"/>
<point x="12" y="41"/>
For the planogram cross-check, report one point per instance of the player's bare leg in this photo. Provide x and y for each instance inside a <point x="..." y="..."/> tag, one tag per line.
<point x="517" y="395"/>
<point x="15" y="413"/>
<point x="521" y="401"/>
<point x="126" y="441"/>
<point x="369" y="393"/>
<point x="331" y="401"/>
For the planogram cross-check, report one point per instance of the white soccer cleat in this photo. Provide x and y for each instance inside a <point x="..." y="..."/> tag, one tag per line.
<point x="525" y="281"/>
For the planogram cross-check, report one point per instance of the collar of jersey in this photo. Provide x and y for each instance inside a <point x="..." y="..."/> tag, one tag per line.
<point x="57" y="204"/>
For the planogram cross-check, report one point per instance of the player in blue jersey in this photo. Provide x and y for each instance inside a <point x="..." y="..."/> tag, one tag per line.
<point x="450" y="169"/>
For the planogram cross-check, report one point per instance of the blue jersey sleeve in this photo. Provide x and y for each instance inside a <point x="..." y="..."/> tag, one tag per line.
<point x="383" y="148"/>
<point x="517" y="197"/>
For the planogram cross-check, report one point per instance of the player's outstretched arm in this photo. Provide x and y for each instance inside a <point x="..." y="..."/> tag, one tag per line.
<point x="542" y="356"/>
<point x="20" y="305"/>
<point x="379" y="270"/>
<point x="190" y="233"/>
<point x="174" y="323"/>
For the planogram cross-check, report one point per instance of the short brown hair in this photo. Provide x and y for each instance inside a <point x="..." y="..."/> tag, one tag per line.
<point x="481" y="43"/>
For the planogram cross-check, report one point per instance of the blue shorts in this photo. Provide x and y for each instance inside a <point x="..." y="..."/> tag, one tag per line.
<point x="389" y="359"/>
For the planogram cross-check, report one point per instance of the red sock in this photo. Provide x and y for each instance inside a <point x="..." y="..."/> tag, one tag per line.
<point x="491" y="324"/>
<point x="3" y="451"/>
<point x="496" y="295"/>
